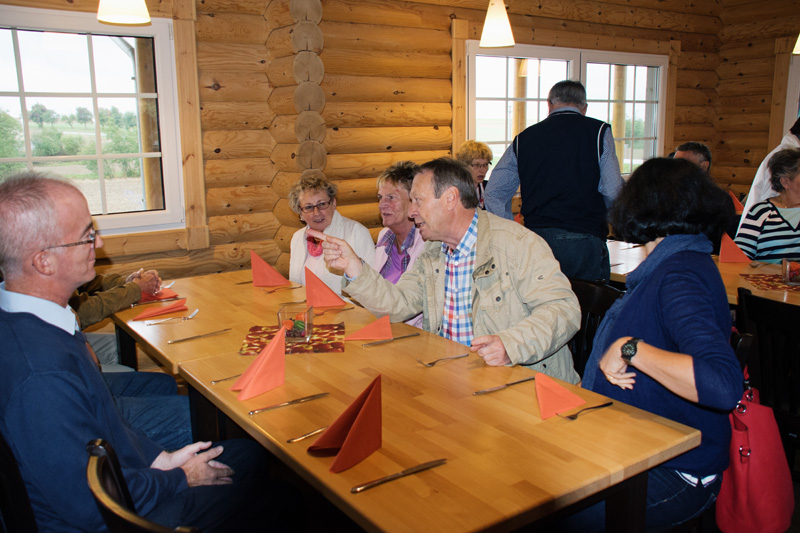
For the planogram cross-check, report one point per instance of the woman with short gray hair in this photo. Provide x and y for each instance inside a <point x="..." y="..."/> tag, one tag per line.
<point x="313" y="198"/>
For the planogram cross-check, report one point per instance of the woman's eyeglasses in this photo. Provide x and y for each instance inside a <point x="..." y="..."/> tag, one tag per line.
<point x="322" y="206"/>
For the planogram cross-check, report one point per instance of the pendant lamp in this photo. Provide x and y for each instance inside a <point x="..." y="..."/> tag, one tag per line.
<point x="123" y="12"/>
<point x="496" y="28"/>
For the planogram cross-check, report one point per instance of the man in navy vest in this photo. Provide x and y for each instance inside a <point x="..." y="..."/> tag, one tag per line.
<point x="567" y="170"/>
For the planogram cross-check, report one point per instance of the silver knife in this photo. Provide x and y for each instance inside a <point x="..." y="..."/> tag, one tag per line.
<point x="398" y="475"/>
<point x="198" y="336"/>
<point x="390" y="340"/>
<point x="156" y="301"/>
<point x="290" y="402"/>
<point x="501" y="387"/>
<point x="307" y="435"/>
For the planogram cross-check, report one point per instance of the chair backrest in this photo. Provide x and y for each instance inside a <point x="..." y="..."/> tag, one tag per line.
<point x="14" y="503"/>
<point x="594" y="297"/>
<point x="111" y="494"/>
<point x="774" y="365"/>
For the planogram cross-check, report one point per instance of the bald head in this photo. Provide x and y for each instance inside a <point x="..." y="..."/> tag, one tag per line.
<point x="29" y="217"/>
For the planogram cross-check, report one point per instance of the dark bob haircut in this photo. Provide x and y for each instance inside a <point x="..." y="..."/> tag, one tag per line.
<point x="670" y="197"/>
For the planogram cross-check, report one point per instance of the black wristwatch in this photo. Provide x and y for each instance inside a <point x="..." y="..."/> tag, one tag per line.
<point x="628" y="349"/>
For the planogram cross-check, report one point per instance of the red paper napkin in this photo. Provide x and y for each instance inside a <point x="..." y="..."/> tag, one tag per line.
<point x="320" y="295"/>
<point x="553" y="398"/>
<point x="163" y="294"/>
<point x="267" y="372"/>
<point x="379" y="330"/>
<point x="356" y="433"/>
<point x="729" y="252"/>
<point x="737" y="205"/>
<point x="174" y="307"/>
<point x="264" y="274"/>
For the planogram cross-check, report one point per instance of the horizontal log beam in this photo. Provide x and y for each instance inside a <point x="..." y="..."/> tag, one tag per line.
<point x="230" y="229"/>
<point x="237" y="144"/>
<point x="242" y="7"/>
<point x="223" y="57"/>
<point x="369" y="114"/>
<point x="360" y="140"/>
<point x="746" y="68"/>
<point x="385" y="89"/>
<point x="236" y="115"/>
<point x="231" y="28"/>
<point x="370" y="37"/>
<point x="339" y="62"/>
<point x="238" y="172"/>
<point x="221" y="86"/>
<point x="742" y="122"/>
<point x="370" y="165"/>
<point x="240" y="200"/>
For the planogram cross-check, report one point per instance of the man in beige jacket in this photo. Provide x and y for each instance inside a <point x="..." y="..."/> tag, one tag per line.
<point x="489" y="283"/>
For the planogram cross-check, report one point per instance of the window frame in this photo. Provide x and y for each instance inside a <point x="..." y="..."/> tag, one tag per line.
<point x="173" y="216"/>
<point x="577" y="60"/>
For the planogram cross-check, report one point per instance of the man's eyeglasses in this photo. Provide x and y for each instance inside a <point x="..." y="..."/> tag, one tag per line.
<point x="322" y="206"/>
<point x="91" y="240"/>
<point x="480" y="165"/>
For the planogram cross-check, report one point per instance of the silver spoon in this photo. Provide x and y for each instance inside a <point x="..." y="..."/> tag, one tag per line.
<point x="442" y="359"/>
<point x="181" y="318"/>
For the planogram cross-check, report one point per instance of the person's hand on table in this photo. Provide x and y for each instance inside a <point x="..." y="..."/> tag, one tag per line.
<point x="615" y="368"/>
<point x="491" y="349"/>
<point x="338" y="254"/>
<point x="200" y="467"/>
<point x="148" y="281"/>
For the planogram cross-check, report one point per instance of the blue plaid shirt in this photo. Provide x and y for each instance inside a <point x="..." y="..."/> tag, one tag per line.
<point x="459" y="265"/>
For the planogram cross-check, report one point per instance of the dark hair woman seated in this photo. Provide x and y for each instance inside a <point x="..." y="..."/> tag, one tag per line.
<point x="664" y="346"/>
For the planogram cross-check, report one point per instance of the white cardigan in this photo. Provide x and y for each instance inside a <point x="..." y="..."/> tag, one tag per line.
<point x="356" y="235"/>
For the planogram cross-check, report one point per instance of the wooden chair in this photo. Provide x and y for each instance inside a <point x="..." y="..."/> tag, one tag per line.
<point x="774" y="365"/>
<point x="15" y="506"/>
<point x="594" y="297"/>
<point x="111" y="494"/>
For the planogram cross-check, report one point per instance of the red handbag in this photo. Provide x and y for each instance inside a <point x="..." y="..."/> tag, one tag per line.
<point x="757" y="492"/>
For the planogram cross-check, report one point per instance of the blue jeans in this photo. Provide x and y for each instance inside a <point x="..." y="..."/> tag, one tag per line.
<point x="671" y="501"/>
<point x="581" y="255"/>
<point x="252" y="502"/>
<point x="149" y="402"/>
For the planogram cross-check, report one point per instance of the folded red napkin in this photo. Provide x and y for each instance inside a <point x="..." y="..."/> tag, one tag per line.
<point x="264" y="274"/>
<point x="267" y="372"/>
<point x="320" y="295"/>
<point x="736" y="203"/>
<point x="163" y="294"/>
<point x="729" y="252"/>
<point x="553" y="398"/>
<point x="379" y="330"/>
<point x="174" y="307"/>
<point x="356" y="433"/>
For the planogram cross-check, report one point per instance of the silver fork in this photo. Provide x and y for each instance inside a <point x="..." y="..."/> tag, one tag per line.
<point x="181" y="318"/>
<point x="573" y="416"/>
<point x="441" y="359"/>
<point x="333" y="310"/>
<point x="285" y="287"/>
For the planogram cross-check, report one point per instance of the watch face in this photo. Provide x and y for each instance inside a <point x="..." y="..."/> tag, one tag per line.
<point x="628" y="349"/>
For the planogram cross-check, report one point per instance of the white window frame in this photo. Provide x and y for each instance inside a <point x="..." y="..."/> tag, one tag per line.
<point x="160" y="29"/>
<point x="577" y="58"/>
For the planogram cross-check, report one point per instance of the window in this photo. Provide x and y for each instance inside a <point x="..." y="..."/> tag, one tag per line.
<point x="94" y="104"/>
<point x="507" y="92"/>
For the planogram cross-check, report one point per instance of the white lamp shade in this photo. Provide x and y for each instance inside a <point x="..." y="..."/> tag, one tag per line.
<point x="796" y="50"/>
<point x="123" y="12"/>
<point x="496" y="28"/>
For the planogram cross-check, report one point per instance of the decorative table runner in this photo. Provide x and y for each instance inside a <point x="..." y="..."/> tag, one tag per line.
<point x="326" y="338"/>
<point x="769" y="282"/>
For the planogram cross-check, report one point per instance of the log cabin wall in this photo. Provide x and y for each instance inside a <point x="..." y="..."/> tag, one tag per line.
<point x="347" y="87"/>
<point x="755" y="46"/>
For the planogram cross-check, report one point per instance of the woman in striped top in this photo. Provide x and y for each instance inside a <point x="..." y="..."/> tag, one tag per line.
<point x="771" y="229"/>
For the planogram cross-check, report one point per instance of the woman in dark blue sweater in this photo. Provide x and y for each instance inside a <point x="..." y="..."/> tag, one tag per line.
<point x="664" y="347"/>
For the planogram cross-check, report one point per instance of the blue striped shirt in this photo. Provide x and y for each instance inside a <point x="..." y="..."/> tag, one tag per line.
<point x="459" y="265"/>
<point x="767" y="235"/>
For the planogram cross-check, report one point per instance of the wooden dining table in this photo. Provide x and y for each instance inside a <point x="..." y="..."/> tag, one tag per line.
<point x="625" y="257"/>
<point x="506" y="467"/>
